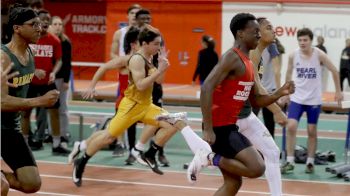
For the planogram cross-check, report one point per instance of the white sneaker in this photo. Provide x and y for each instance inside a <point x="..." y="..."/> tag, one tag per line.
<point x="172" y="118"/>
<point x="199" y="161"/>
<point x="137" y="154"/>
<point x="75" y="152"/>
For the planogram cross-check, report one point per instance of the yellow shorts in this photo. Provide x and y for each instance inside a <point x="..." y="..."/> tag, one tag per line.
<point x="130" y="112"/>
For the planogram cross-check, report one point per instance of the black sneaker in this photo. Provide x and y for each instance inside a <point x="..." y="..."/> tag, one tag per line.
<point x="48" y="139"/>
<point x="60" y="150"/>
<point x="35" y="145"/>
<point x="119" y="151"/>
<point x="130" y="160"/>
<point x="78" y="171"/>
<point x="163" y="160"/>
<point x="310" y="168"/>
<point x="152" y="163"/>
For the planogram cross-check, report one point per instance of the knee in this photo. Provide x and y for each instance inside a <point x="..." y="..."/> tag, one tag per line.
<point x="257" y="170"/>
<point x="31" y="186"/>
<point x="272" y="154"/>
<point x="108" y="138"/>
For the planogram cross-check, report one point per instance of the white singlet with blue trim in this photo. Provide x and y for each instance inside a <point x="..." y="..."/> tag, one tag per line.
<point x="121" y="40"/>
<point x="307" y="75"/>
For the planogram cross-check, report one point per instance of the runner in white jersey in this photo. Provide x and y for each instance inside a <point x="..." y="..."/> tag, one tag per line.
<point x="252" y="127"/>
<point x="305" y="66"/>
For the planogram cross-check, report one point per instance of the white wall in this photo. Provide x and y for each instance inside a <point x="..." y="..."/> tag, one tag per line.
<point x="330" y="21"/>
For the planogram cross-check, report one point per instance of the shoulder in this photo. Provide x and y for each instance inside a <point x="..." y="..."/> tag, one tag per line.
<point x="117" y="34"/>
<point x="230" y="59"/>
<point x="5" y="59"/>
<point x="136" y="60"/>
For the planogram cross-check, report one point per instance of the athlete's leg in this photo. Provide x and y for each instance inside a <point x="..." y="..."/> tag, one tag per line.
<point x="232" y="184"/>
<point x="16" y="153"/>
<point x="294" y="113"/>
<point x="252" y="128"/>
<point x="313" y="113"/>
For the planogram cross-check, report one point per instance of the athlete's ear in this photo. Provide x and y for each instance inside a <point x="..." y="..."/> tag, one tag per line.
<point x="240" y="33"/>
<point x="16" y="28"/>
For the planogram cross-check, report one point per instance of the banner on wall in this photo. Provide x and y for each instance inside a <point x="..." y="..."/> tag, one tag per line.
<point x="323" y="21"/>
<point x="85" y="25"/>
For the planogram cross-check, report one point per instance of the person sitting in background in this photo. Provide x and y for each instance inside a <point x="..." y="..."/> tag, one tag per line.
<point x="207" y="59"/>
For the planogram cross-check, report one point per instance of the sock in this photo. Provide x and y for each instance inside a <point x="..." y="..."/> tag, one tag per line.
<point x="161" y="151"/>
<point x="56" y="140"/>
<point x="82" y="145"/>
<point x="85" y="159"/>
<point x="152" y="150"/>
<point x="194" y="141"/>
<point x="290" y="159"/>
<point x="214" y="159"/>
<point x="140" y="146"/>
<point x="310" y="160"/>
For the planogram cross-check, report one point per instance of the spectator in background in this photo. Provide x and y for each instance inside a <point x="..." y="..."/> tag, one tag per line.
<point x="207" y="59"/>
<point x="47" y="55"/>
<point x="304" y="67"/>
<point x="345" y="64"/>
<point x="63" y="75"/>
<point x="320" y="42"/>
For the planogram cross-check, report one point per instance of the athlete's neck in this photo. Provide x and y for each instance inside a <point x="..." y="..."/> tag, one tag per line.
<point x="242" y="47"/>
<point x="18" y="45"/>
<point x="146" y="54"/>
<point x="307" y="52"/>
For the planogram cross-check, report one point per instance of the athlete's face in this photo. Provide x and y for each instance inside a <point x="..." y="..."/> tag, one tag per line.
<point x="131" y="16"/>
<point x="153" y="47"/>
<point x="30" y="30"/>
<point x="56" y="26"/>
<point x="304" y="42"/>
<point x="251" y="34"/>
<point x="267" y="33"/>
<point x="144" y="19"/>
<point x="45" y="22"/>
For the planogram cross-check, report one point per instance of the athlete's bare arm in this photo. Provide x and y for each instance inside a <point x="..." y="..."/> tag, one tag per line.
<point x="228" y="66"/>
<point x="116" y="63"/>
<point x="260" y="100"/>
<point x="290" y="67"/>
<point x="10" y="103"/>
<point x="330" y="66"/>
<point x="255" y="56"/>
<point x="115" y="44"/>
<point x="137" y="69"/>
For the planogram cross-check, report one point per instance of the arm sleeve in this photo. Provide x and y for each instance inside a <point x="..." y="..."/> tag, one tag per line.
<point x="273" y="50"/>
<point x="196" y="72"/>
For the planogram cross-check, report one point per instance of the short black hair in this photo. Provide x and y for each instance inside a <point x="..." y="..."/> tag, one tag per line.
<point x="239" y="22"/>
<point x="305" y="31"/>
<point x="133" y="6"/>
<point x="141" y="12"/>
<point x="148" y="34"/>
<point x="130" y="37"/>
<point x="18" y="15"/>
<point x="261" y="19"/>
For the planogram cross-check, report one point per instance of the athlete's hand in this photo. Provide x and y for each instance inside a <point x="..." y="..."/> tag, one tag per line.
<point x="163" y="60"/>
<point x="40" y="73"/>
<point x="6" y="75"/>
<point x="89" y="94"/>
<point x="287" y="89"/>
<point x="209" y="136"/>
<point x="50" y="98"/>
<point x="338" y="97"/>
<point x="52" y="78"/>
<point x="280" y="118"/>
